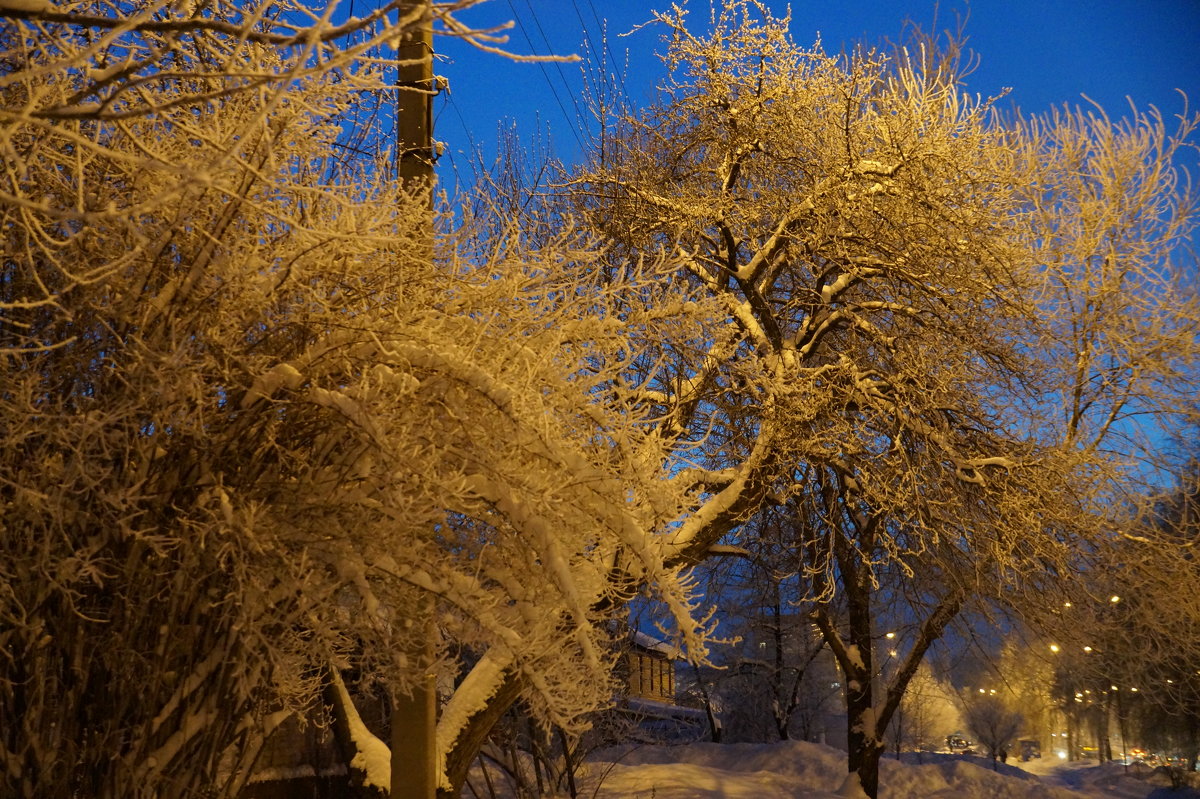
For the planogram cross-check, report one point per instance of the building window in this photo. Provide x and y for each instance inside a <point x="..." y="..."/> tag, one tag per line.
<point x="651" y="676"/>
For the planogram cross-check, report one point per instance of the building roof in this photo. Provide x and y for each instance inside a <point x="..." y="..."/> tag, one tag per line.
<point x="656" y="645"/>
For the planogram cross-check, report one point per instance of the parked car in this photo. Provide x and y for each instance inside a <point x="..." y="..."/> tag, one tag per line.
<point x="956" y="744"/>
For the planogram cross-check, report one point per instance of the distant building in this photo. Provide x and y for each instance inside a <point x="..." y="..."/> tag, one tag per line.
<point x="649" y="703"/>
<point x="650" y="668"/>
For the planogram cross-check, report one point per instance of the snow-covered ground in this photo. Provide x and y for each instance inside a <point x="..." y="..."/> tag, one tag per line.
<point x="798" y="769"/>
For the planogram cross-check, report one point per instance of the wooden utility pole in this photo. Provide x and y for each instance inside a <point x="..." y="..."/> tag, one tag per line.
<point x="414" y="101"/>
<point x="414" y="717"/>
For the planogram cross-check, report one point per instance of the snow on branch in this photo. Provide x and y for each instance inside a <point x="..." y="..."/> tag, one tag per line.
<point x="111" y="60"/>
<point x="371" y="756"/>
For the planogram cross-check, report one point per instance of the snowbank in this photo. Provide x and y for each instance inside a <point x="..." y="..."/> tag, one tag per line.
<point x="799" y="769"/>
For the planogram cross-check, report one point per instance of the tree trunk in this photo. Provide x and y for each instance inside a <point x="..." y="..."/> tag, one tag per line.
<point x="568" y="763"/>
<point x="781" y="710"/>
<point x="336" y="700"/>
<point x="1121" y="728"/>
<point x="540" y="757"/>
<point x="865" y="763"/>
<point x="1103" y="744"/>
<point x="865" y="750"/>
<point x="714" y="724"/>
<point x="863" y="742"/>
<point x="863" y="747"/>
<point x="470" y="740"/>
<point x="862" y="736"/>
<point x="864" y="720"/>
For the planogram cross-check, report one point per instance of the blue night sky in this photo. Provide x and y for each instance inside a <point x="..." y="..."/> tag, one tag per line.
<point x="1047" y="52"/>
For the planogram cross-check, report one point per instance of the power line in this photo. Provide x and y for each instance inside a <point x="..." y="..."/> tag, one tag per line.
<point x="558" y="65"/>
<point x="584" y="27"/>
<point x="461" y="120"/>
<point x="595" y="53"/>
<point x="545" y="74"/>
<point x="474" y="155"/>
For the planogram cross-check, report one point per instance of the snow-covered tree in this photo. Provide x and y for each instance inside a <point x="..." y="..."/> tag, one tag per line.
<point x="256" y="432"/>
<point x="941" y="325"/>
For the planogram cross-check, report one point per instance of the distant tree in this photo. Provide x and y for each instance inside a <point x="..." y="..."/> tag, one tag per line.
<point x="1025" y="667"/>
<point x="776" y="665"/>
<point x="927" y="714"/>
<point x="992" y="721"/>
<point x="1129" y="646"/>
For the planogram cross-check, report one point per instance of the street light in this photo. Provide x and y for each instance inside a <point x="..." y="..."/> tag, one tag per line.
<point x="1053" y="647"/>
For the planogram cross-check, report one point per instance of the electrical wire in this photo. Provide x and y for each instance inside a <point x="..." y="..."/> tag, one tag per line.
<point x="546" y="75"/>
<point x="473" y="148"/>
<point x="579" y="117"/>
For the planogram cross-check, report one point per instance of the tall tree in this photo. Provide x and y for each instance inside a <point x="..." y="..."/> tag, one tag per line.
<point x="915" y="289"/>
